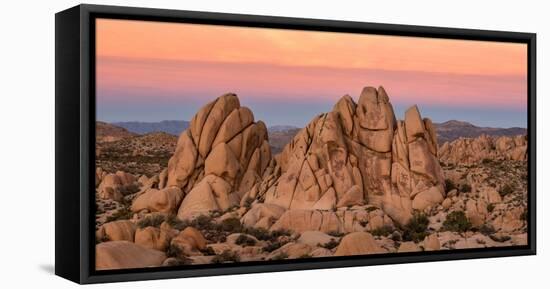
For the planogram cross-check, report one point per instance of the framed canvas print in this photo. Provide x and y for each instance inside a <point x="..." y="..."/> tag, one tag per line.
<point x="193" y="144"/>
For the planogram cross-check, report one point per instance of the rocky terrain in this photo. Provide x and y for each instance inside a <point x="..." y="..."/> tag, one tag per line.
<point x="354" y="181"/>
<point x="136" y="154"/>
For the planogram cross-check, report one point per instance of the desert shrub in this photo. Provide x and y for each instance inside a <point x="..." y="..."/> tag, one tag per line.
<point x="174" y="251"/>
<point x="382" y="231"/>
<point x="370" y="209"/>
<point x="203" y="222"/>
<point x="176" y="223"/>
<point x="231" y="225"/>
<point x="264" y="234"/>
<point x="123" y="214"/>
<point x="129" y="189"/>
<point x="457" y="221"/>
<point x="506" y="190"/>
<point x="449" y="185"/>
<point x="280" y="256"/>
<point x="490" y="207"/>
<point x="465" y="188"/>
<point x="248" y="202"/>
<point x="280" y="232"/>
<point x="416" y="229"/>
<point x="487" y="230"/>
<point x="179" y="261"/>
<point x="225" y="257"/>
<point x="330" y="244"/>
<point x="244" y="240"/>
<point x="486" y="161"/>
<point x="258" y="233"/>
<point x="335" y="234"/>
<point x="305" y="256"/>
<point x="153" y="220"/>
<point x="272" y="246"/>
<point x="208" y="251"/>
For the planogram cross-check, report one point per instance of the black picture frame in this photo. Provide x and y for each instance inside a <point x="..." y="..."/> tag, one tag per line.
<point x="75" y="142"/>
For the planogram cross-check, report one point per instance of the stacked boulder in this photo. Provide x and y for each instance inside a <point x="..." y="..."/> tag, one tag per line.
<point x="359" y="154"/>
<point x="222" y="155"/>
<point x="115" y="186"/>
<point x="416" y="176"/>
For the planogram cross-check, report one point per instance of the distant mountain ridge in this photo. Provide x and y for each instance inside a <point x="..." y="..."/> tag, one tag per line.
<point x="282" y="128"/>
<point x="106" y="132"/>
<point x="281" y="134"/>
<point x="453" y="129"/>
<point x="174" y="127"/>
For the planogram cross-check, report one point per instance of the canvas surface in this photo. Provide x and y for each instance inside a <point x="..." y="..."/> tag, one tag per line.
<point x="219" y="144"/>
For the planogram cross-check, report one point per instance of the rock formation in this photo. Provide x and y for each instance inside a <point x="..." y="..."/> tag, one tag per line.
<point x="121" y="230"/>
<point x="359" y="154"/>
<point x="165" y="200"/>
<point x="124" y="255"/>
<point x="474" y="150"/>
<point x="358" y="243"/>
<point x="115" y="186"/>
<point x="220" y="156"/>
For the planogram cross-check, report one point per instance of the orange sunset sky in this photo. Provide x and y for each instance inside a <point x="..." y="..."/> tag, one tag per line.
<point x="151" y="71"/>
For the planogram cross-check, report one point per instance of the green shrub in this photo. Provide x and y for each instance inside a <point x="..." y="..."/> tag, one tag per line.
<point x="203" y="222"/>
<point x="457" y="221"/>
<point x="129" y="189"/>
<point x="208" y="251"/>
<point x="244" y="240"/>
<point x="225" y="257"/>
<point x="490" y="207"/>
<point x="176" y="223"/>
<point x="465" y="188"/>
<point x="382" y="231"/>
<point x="416" y="229"/>
<point x="335" y="234"/>
<point x="330" y="244"/>
<point x="153" y="220"/>
<point x="231" y="225"/>
<point x="123" y="214"/>
<point x="248" y="202"/>
<point x="280" y="256"/>
<point x="370" y="209"/>
<point x="259" y="233"/>
<point x="280" y="232"/>
<point x="273" y="246"/>
<point x="174" y="251"/>
<point x="179" y="261"/>
<point x="449" y="185"/>
<point x="506" y="190"/>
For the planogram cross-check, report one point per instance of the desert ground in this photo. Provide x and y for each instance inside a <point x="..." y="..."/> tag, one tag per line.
<point x="354" y="181"/>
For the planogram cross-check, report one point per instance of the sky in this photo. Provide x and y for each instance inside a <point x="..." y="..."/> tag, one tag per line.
<point x="152" y="71"/>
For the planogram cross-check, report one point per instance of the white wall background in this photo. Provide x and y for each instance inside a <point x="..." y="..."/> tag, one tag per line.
<point x="27" y="144"/>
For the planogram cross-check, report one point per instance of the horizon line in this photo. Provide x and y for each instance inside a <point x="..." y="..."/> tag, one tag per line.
<point x="294" y="126"/>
